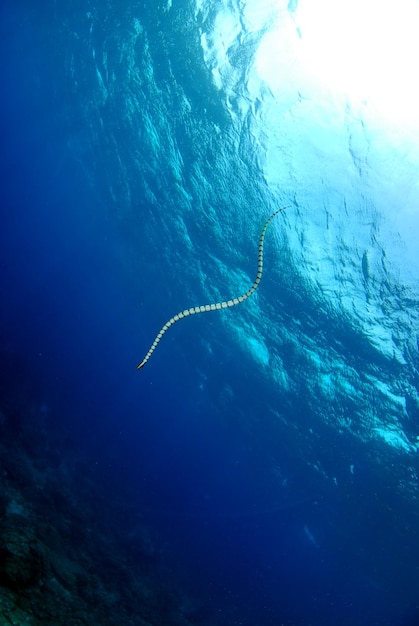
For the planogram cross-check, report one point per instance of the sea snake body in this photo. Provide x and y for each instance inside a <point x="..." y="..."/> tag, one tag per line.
<point x="219" y="305"/>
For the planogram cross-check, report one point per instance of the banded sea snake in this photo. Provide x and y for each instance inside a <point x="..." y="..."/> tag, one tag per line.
<point x="219" y="305"/>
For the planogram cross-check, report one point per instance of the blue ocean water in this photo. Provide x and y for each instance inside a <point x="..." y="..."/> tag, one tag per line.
<point x="270" y="450"/>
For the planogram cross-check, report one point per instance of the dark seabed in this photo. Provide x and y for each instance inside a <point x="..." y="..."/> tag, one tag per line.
<point x="262" y="468"/>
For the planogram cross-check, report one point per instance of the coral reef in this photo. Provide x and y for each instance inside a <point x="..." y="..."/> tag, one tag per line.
<point x="68" y="555"/>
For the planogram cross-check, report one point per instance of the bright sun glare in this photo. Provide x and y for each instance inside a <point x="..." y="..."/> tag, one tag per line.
<point x="367" y="50"/>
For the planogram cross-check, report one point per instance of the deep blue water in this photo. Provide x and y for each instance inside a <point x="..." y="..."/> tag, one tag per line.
<point x="249" y="490"/>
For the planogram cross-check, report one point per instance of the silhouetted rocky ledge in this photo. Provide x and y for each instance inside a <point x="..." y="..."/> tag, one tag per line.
<point x="61" y="562"/>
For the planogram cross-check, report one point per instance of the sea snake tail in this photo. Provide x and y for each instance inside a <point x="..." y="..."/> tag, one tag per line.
<point x="219" y="305"/>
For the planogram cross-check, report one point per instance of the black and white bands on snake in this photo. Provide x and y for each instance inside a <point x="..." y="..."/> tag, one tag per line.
<point x="219" y="305"/>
